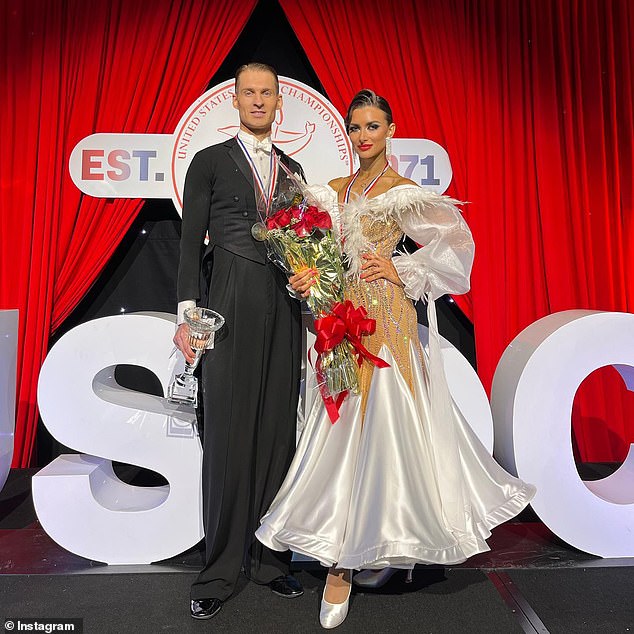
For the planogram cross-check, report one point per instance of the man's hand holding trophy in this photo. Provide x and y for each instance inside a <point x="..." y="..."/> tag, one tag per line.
<point x="201" y="323"/>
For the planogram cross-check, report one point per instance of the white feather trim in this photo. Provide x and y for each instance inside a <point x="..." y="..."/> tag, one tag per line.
<point x="392" y="205"/>
<point x="427" y="217"/>
<point x="354" y="242"/>
<point x="405" y="199"/>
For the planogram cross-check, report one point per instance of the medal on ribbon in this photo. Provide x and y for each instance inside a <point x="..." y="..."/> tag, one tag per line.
<point x="258" y="230"/>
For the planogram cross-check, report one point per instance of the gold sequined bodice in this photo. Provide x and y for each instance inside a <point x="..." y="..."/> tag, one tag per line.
<point x="394" y="312"/>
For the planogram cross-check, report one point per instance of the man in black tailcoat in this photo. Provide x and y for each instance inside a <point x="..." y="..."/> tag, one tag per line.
<point x="250" y="379"/>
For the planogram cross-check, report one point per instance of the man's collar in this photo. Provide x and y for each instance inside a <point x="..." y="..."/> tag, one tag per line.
<point x="252" y="144"/>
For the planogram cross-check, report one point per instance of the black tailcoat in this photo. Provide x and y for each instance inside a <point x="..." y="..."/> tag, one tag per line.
<point x="250" y="380"/>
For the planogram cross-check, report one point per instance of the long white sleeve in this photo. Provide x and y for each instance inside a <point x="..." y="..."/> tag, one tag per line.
<point x="443" y="263"/>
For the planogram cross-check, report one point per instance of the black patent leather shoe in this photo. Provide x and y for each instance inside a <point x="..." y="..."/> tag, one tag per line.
<point x="205" y="608"/>
<point x="286" y="586"/>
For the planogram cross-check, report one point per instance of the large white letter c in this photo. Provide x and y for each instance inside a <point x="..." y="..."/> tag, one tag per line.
<point x="533" y="391"/>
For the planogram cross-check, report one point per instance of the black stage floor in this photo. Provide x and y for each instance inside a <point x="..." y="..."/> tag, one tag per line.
<point x="530" y="581"/>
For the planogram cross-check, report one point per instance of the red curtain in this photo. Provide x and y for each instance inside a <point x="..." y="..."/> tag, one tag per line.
<point x="533" y="101"/>
<point x="69" y="69"/>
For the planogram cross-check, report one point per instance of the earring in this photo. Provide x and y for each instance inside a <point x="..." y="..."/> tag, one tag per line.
<point x="388" y="146"/>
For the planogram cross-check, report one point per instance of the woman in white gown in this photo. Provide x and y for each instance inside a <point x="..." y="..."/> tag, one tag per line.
<point x="400" y="478"/>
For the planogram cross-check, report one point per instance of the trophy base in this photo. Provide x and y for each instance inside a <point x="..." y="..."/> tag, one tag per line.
<point x="183" y="392"/>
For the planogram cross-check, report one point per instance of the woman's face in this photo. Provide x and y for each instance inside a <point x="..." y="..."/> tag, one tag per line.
<point x="368" y="130"/>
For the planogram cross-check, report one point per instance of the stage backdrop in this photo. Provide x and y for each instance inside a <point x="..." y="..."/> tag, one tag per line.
<point x="532" y="100"/>
<point x="70" y="68"/>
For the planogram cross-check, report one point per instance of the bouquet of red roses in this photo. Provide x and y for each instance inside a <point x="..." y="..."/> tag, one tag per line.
<point x="298" y="235"/>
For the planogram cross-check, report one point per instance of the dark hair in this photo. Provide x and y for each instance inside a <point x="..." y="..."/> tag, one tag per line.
<point x="259" y="67"/>
<point x="367" y="97"/>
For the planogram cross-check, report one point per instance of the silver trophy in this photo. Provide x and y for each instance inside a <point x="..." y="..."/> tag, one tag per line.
<point x="202" y="323"/>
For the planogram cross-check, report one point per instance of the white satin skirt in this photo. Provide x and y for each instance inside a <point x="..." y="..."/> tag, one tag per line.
<point x="375" y="492"/>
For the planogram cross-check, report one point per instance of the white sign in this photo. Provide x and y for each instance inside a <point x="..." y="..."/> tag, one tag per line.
<point x="533" y="390"/>
<point x="78" y="499"/>
<point x="123" y="165"/>
<point x="307" y="128"/>
<point x="87" y="510"/>
<point x="423" y="161"/>
<point x="8" y="364"/>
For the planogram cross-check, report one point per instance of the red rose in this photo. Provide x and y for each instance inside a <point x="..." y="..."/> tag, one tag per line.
<point x="323" y="220"/>
<point x="312" y="218"/>
<point x="302" y="228"/>
<point x="279" y="220"/>
<point x="309" y="216"/>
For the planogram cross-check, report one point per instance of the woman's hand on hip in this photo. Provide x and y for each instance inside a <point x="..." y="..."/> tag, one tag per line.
<point x="376" y="267"/>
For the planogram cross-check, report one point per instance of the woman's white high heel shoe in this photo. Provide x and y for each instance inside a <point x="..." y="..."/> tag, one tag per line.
<point x="378" y="578"/>
<point x="333" y="614"/>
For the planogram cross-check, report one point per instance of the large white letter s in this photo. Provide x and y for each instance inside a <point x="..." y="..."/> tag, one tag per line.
<point x="79" y="500"/>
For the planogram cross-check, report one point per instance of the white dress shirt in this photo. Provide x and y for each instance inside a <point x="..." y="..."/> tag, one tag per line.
<point x="259" y="152"/>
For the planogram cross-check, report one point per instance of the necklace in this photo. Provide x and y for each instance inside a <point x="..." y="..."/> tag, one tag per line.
<point x="366" y="188"/>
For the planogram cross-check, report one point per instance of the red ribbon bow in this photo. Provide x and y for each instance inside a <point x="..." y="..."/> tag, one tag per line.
<point x="345" y="322"/>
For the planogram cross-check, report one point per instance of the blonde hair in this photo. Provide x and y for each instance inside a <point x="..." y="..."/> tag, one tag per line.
<point x="258" y="66"/>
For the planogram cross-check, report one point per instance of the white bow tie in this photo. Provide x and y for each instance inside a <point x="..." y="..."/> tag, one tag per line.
<point x="262" y="146"/>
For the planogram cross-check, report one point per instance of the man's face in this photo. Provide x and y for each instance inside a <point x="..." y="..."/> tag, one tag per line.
<point x="257" y="101"/>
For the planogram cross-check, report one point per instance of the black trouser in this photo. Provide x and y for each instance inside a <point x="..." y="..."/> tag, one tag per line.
<point x="250" y="383"/>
